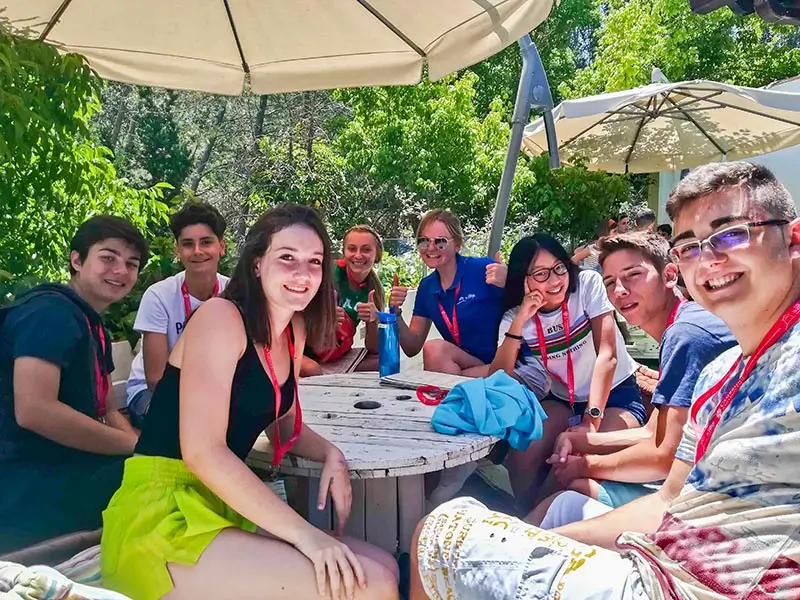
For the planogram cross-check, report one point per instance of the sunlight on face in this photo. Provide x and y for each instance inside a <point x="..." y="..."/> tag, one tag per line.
<point x="291" y="268"/>
<point x="360" y="251"/>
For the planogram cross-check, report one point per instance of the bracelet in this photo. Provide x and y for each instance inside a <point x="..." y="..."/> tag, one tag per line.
<point x="519" y="338"/>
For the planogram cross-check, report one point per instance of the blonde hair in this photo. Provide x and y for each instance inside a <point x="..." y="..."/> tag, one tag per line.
<point x="372" y="281"/>
<point x="450" y="221"/>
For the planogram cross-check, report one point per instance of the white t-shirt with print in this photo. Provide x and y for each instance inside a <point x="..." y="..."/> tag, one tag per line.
<point x="587" y="302"/>
<point x="734" y="530"/>
<point x="161" y="311"/>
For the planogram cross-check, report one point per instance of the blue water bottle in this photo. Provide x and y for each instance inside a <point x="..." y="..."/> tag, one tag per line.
<point x="388" y="344"/>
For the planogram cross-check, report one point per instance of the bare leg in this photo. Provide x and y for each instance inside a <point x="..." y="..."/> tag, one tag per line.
<point x="617" y="419"/>
<point x="523" y="467"/>
<point x="443" y="357"/>
<point x="587" y="487"/>
<point x="416" y="591"/>
<point x="243" y="566"/>
<point x="537" y="514"/>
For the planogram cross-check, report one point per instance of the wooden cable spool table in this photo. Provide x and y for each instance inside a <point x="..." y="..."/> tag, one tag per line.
<point x="386" y="436"/>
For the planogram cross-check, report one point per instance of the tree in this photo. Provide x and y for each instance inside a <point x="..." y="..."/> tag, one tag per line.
<point x="52" y="175"/>
<point x="637" y="35"/>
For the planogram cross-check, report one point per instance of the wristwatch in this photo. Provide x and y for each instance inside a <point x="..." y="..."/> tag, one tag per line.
<point x="595" y="413"/>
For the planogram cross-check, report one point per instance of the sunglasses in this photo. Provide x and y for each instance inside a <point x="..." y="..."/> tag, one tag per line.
<point x="440" y="243"/>
<point x="723" y="240"/>
<point x="542" y="275"/>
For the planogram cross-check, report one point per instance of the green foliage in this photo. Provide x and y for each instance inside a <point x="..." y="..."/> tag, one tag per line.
<point x="636" y="35"/>
<point x="569" y="202"/>
<point x="52" y="176"/>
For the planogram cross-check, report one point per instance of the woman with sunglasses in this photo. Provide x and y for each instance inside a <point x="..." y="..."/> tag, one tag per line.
<point x="562" y="318"/>
<point x="191" y="520"/>
<point x="463" y="298"/>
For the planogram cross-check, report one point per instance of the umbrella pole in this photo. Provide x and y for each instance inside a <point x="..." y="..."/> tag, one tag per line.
<point x="533" y="90"/>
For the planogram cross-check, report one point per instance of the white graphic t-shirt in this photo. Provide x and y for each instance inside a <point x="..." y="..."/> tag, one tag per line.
<point x="734" y="530"/>
<point x="587" y="302"/>
<point x="161" y="311"/>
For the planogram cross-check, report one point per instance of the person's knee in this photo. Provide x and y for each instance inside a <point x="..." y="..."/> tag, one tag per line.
<point x="582" y="486"/>
<point x="433" y="351"/>
<point x="382" y="582"/>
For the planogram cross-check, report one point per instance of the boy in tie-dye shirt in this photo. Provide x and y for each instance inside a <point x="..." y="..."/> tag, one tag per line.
<point x="727" y="520"/>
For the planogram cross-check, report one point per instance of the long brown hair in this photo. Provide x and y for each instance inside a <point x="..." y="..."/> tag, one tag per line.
<point x="372" y="281"/>
<point x="245" y="289"/>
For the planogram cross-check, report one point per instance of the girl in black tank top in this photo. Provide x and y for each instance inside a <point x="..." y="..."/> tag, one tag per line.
<point x="187" y="492"/>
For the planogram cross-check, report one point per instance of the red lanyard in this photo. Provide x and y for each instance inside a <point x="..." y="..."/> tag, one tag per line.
<point x="187" y="305"/>
<point x="570" y="384"/>
<point x="674" y="314"/>
<point x="452" y="326"/>
<point x="280" y="451"/>
<point x="100" y="377"/>
<point x="781" y="326"/>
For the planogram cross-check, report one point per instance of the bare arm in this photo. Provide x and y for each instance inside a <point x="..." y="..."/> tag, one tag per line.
<point x="413" y="336"/>
<point x="649" y="461"/>
<point x="643" y="515"/>
<point x="114" y="418"/>
<point x="604" y="336"/>
<point x="38" y="409"/>
<point x="606" y="442"/>
<point x="209" y="350"/>
<point x="505" y="359"/>
<point x="371" y="338"/>
<point x="155" y="352"/>
<point x="580" y="254"/>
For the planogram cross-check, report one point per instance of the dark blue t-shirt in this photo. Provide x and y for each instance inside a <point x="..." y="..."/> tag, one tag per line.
<point x="695" y="339"/>
<point x="50" y="323"/>
<point x="480" y="306"/>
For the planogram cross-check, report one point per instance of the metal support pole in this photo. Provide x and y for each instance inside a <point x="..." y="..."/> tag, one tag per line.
<point x="533" y="90"/>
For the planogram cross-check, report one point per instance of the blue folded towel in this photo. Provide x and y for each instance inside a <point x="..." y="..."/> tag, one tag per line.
<point x="499" y="406"/>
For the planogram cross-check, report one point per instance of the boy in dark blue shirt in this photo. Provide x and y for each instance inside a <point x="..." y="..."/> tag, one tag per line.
<point x="62" y="440"/>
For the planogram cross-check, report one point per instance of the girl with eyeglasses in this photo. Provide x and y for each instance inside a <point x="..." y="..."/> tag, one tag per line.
<point x="462" y="298"/>
<point x="562" y="319"/>
<point x="359" y="297"/>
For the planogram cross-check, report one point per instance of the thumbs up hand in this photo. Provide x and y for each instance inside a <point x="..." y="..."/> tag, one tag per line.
<point x="367" y="311"/>
<point x="497" y="271"/>
<point x="398" y="294"/>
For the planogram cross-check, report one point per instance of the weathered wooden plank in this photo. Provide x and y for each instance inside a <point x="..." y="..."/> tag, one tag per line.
<point x="356" y="524"/>
<point x="410" y="507"/>
<point x="381" y="514"/>
<point x="318" y="518"/>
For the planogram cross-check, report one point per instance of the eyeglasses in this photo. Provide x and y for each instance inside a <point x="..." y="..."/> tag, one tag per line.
<point x="440" y="243"/>
<point x="723" y="240"/>
<point x="542" y="275"/>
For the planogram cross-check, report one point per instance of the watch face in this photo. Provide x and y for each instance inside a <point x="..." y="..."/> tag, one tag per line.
<point x="595" y="412"/>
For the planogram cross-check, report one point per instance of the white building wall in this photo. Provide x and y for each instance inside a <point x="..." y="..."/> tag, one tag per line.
<point x="784" y="163"/>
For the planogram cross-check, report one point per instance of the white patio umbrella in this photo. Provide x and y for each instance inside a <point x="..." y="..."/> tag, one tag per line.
<point x="284" y="45"/>
<point x="671" y="126"/>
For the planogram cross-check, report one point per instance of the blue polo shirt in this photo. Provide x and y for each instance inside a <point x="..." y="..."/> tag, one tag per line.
<point x="479" y="306"/>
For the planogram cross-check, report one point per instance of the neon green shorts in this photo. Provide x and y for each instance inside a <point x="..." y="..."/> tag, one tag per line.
<point x="161" y="514"/>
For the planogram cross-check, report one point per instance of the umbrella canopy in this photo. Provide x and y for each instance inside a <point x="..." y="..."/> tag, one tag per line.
<point x="671" y="126"/>
<point x="284" y="45"/>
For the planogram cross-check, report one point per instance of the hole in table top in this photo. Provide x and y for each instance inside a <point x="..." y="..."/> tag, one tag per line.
<point x="356" y="394"/>
<point x="403" y="397"/>
<point x="367" y="404"/>
<point x="328" y="416"/>
<point x="411" y="408"/>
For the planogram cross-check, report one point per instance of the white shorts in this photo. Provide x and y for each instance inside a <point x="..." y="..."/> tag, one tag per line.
<point x="469" y="552"/>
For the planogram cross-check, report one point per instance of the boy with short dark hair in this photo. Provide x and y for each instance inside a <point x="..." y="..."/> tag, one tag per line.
<point x="62" y="440"/>
<point x="725" y="523"/>
<point x="645" y="220"/>
<point x="199" y="231"/>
